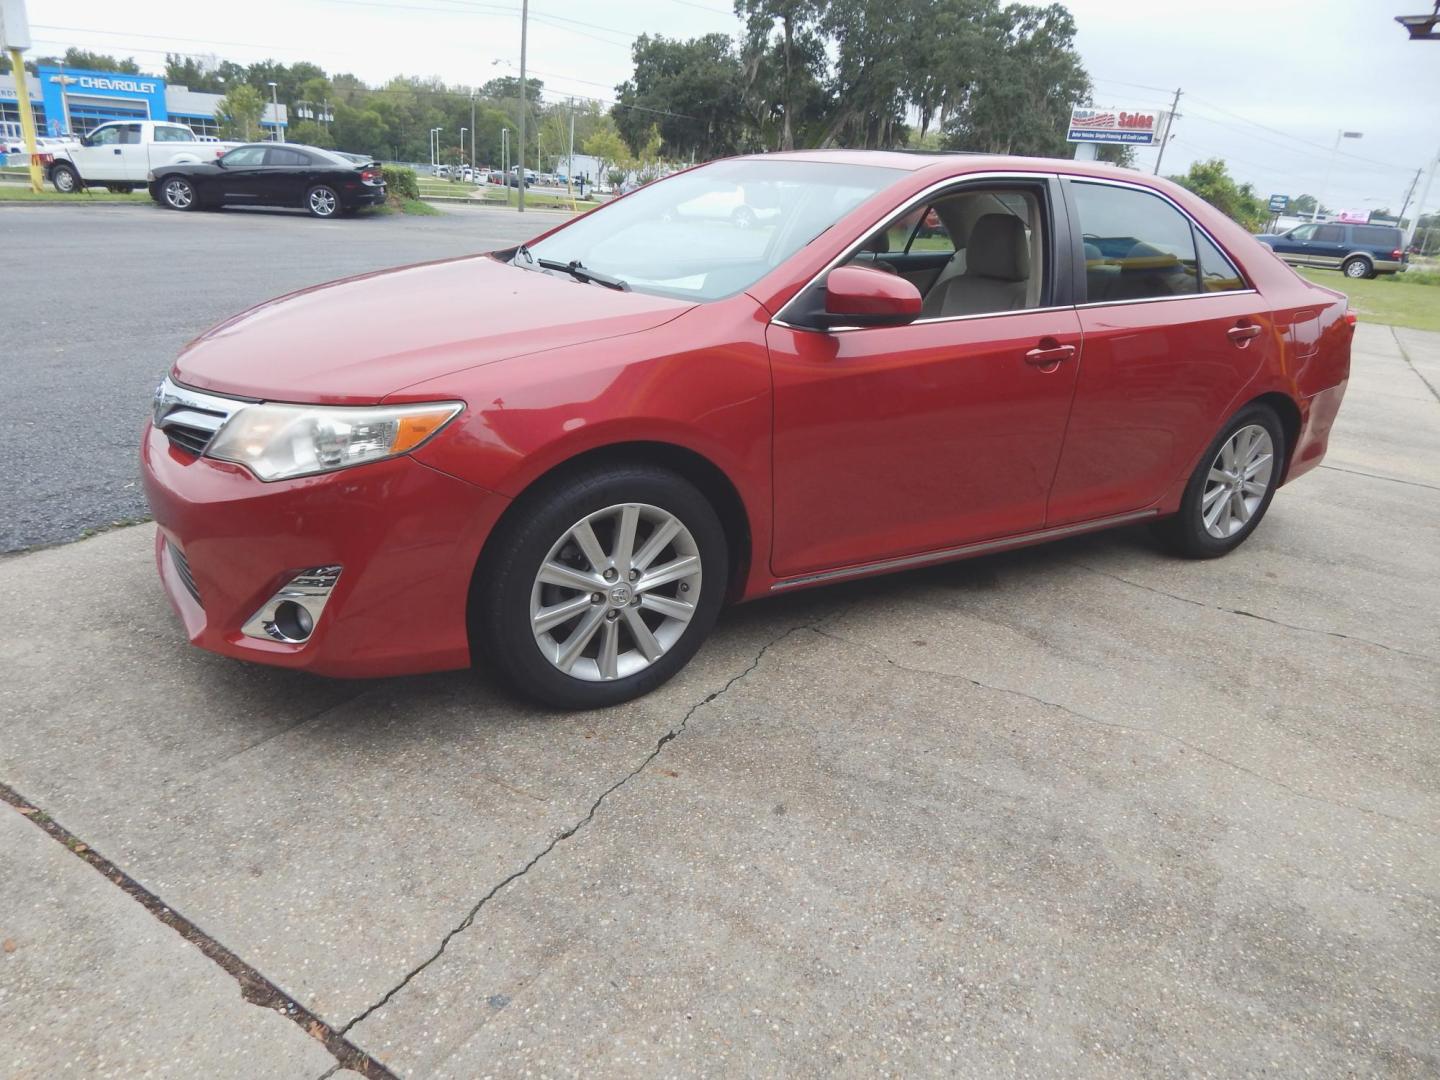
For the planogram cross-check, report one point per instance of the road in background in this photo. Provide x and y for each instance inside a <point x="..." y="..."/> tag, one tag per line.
<point x="111" y="293"/>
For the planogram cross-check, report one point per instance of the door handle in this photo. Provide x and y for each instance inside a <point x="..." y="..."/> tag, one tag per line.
<point x="1048" y="356"/>
<point x="1240" y="335"/>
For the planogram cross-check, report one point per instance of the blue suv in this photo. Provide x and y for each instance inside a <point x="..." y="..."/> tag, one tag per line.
<point x="1359" y="251"/>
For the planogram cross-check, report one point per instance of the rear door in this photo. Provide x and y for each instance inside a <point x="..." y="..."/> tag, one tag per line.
<point x="288" y="175"/>
<point x="1172" y="336"/>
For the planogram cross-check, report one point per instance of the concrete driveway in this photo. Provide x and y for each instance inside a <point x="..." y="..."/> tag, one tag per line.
<point x="1080" y="810"/>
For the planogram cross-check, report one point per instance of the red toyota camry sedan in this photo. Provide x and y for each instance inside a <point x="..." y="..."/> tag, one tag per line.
<point x="560" y="460"/>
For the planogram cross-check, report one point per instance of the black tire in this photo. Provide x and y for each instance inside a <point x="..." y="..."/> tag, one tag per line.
<point x="120" y="189"/>
<point x="322" y="201"/>
<point x="501" y="636"/>
<point x="66" y="179"/>
<point x="1357" y="268"/>
<point x="1185" y="533"/>
<point x="178" y="193"/>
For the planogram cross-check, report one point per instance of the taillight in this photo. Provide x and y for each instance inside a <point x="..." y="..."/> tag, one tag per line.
<point x="1350" y="319"/>
<point x="1396" y="254"/>
<point x="370" y="176"/>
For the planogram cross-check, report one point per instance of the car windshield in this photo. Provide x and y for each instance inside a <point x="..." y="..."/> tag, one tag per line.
<point x="714" y="231"/>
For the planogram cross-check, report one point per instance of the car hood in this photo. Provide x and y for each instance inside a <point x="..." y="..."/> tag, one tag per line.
<point x="356" y="340"/>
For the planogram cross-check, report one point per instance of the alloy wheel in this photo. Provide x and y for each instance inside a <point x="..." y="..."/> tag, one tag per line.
<point x="179" y="194"/>
<point x="616" y="592"/>
<point x="1356" y="269"/>
<point x="1238" y="480"/>
<point x="322" y="202"/>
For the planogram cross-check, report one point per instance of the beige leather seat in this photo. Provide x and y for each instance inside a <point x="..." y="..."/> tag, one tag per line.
<point x="997" y="271"/>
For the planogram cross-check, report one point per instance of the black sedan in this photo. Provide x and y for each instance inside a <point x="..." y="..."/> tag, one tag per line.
<point x="272" y="174"/>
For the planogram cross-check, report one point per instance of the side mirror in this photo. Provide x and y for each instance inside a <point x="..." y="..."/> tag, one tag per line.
<point x="864" y="296"/>
<point x="220" y="161"/>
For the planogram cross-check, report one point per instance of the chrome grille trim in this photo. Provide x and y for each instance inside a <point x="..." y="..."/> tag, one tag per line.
<point x="190" y="418"/>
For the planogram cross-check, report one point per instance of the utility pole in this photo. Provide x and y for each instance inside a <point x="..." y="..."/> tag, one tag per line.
<point x="474" y="160"/>
<point x="524" y="27"/>
<point x="1169" y="120"/>
<point x="274" y="114"/>
<point x="1330" y="169"/>
<point x="1424" y="196"/>
<point x="1400" y="218"/>
<point x="570" y="160"/>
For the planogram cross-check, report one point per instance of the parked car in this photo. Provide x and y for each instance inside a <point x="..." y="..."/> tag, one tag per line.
<point x="560" y="460"/>
<point x="121" y="155"/>
<point x="272" y="174"/>
<point x="1358" y="251"/>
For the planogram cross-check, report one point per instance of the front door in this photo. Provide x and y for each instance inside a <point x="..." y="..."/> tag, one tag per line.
<point x="1173" y="334"/>
<point x="242" y="178"/>
<point x="100" y="158"/>
<point x="901" y="440"/>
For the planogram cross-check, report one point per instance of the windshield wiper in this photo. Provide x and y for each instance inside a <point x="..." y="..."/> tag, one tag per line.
<point x="579" y="273"/>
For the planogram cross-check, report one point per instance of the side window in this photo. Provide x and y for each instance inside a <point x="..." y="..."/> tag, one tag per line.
<point x="1302" y="232"/>
<point x="280" y="155"/>
<point x="1330" y="234"/>
<point x="245" y="156"/>
<point x="105" y="136"/>
<point x="1217" y="273"/>
<point x="1137" y="246"/>
<point x="130" y="134"/>
<point x="173" y="133"/>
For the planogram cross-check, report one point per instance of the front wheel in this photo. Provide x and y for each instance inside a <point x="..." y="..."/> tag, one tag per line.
<point x="177" y="193"/>
<point x="1231" y="488"/>
<point x="322" y="201"/>
<point x="600" y="586"/>
<point x="65" y="179"/>
<point x="1357" y="268"/>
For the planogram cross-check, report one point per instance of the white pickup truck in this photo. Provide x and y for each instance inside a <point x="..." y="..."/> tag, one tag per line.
<point x="121" y="154"/>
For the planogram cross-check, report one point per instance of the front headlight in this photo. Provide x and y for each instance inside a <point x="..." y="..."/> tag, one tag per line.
<point x="277" y="442"/>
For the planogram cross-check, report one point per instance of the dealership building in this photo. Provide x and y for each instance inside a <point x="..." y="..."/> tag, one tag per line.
<point x="74" y="100"/>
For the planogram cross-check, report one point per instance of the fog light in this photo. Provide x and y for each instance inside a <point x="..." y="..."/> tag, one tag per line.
<point x="291" y="614"/>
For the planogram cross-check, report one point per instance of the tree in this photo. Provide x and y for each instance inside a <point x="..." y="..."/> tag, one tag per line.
<point x="1304" y="204"/>
<point x="794" y="25"/>
<point x="1211" y="180"/>
<point x="92" y="61"/>
<point x="690" y="89"/>
<point x="1020" y="102"/>
<point x="607" y="147"/>
<point x="239" y="112"/>
<point x="310" y="133"/>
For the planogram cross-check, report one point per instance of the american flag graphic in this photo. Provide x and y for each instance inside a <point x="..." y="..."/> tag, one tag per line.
<point x="1097" y="120"/>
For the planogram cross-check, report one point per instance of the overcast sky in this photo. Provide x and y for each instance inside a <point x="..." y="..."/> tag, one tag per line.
<point x="1303" y="68"/>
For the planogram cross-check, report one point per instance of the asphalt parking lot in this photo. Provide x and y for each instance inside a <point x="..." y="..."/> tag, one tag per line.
<point x="1080" y="810"/>
<point x="109" y="294"/>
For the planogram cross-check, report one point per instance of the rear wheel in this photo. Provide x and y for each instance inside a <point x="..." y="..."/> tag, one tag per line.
<point x="1231" y="488"/>
<point x="65" y="179"/>
<point x="322" y="201"/>
<point x="600" y="586"/>
<point x="177" y="193"/>
<point x="1358" y="268"/>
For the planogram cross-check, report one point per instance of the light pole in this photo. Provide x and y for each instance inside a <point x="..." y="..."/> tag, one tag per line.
<point x="463" y="130"/>
<point x="524" y="28"/>
<point x="274" y="114"/>
<point x="437" y="144"/>
<point x="1329" y="169"/>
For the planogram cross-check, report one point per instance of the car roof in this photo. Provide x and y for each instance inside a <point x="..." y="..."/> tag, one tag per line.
<point x="958" y="161"/>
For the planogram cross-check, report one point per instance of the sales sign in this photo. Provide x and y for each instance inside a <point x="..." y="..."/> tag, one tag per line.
<point x="1137" y="127"/>
<point x="1279" y="203"/>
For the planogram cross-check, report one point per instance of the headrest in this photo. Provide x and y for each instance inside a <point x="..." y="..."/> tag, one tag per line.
<point x="878" y="243"/>
<point x="998" y="249"/>
<point x="1093" y="253"/>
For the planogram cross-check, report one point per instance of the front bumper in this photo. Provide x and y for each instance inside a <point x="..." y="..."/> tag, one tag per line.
<point x="407" y="536"/>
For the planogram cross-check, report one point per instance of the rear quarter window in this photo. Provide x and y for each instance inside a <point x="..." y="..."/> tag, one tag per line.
<point x="1377" y="236"/>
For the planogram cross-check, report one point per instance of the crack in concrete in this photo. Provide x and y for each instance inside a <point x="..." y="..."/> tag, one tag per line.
<point x="571" y="830"/>
<point x="1249" y="614"/>
<point x="1132" y="728"/>
<point x="255" y="988"/>
<point x="1377" y="476"/>
<point x="1411" y="364"/>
